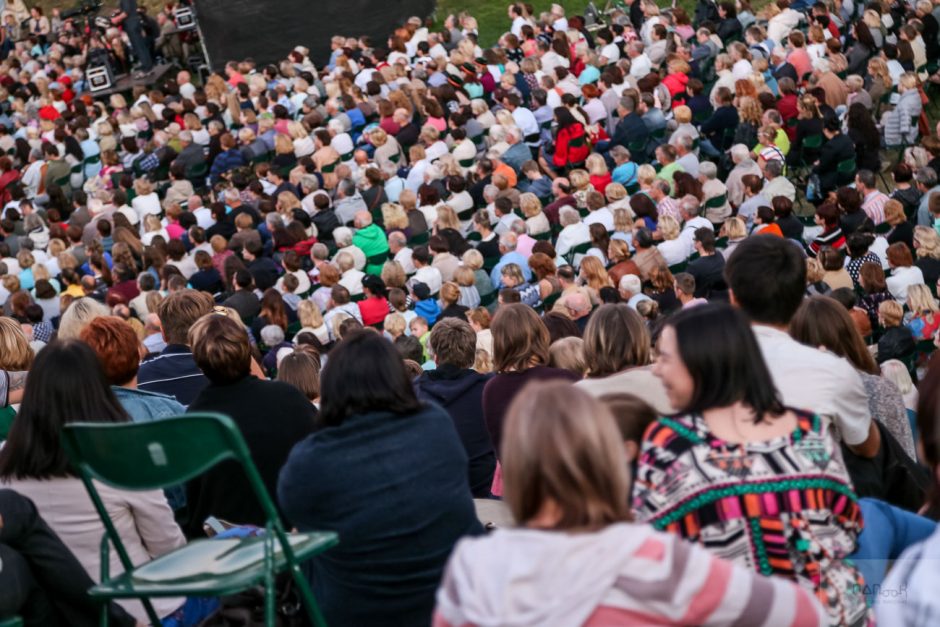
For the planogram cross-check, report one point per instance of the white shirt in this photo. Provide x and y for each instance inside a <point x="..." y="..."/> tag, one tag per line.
<point x="640" y="66"/>
<point x="687" y="235"/>
<point x="430" y="276"/>
<point x="517" y="25"/>
<point x="815" y="380"/>
<point x="600" y="216"/>
<point x="571" y="236"/>
<point x="673" y="251"/>
<point x="144" y="205"/>
<point x="203" y="217"/>
<point x="526" y="121"/>
<point x="352" y="281"/>
<point x="403" y="257"/>
<point x="901" y="278"/>
<point x="611" y="52"/>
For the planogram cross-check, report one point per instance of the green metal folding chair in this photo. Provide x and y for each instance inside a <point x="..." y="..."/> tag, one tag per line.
<point x="152" y="455"/>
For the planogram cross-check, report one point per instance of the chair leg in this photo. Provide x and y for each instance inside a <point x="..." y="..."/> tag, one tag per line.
<point x="306" y="596"/>
<point x="270" y="593"/>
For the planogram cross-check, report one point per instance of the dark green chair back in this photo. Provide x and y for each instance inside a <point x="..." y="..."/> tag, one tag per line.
<point x="420" y="239"/>
<point x="846" y="167"/>
<point x="377" y="259"/>
<point x="161" y="453"/>
<point x="813" y="142"/>
<point x="488" y="299"/>
<point x="716" y="202"/>
<point x="329" y="167"/>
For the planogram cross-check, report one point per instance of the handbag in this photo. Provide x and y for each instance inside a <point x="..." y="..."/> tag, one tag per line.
<point x="890" y="476"/>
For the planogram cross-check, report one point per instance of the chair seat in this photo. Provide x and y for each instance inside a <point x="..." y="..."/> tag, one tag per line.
<point x="209" y="567"/>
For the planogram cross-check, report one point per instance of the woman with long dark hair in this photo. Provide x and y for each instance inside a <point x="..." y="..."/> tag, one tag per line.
<point x="390" y="476"/>
<point x="735" y="470"/>
<point x="66" y="385"/>
<point x="866" y="137"/>
<point x="572" y="145"/>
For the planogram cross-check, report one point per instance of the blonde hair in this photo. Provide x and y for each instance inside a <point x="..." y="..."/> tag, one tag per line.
<point x="530" y="205"/>
<point x="668" y="227"/>
<point x="891" y="313"/>
<point x="15" y="351"/>
<point x="473" y="259"/>
<point x="645" y="174"/>
<point x="814" y="271"/>
<point x="595" y="165"/>
<point x="78" y="315"/>
<point x="734" y="228"/>
<point x="579" y="179"/>
<point x="683" y="114"/>
<point x="446" y="218"/>
<point x="483" y="361"/>
<point x="920" y="300"/>
<point x="550" y="452"/>
<point x="928" y="242"/>
<point x="394" y="324"/>
<point x="464" y="277"/>
<point x="394" y="216"/>
<point x="895" y="371"/>
<point x="594" y="273"/>
<point x="309" y="314"/>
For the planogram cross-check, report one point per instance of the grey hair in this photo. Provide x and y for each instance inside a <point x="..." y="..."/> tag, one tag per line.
<point x="342" y="235"/>
<point x="568" y="216"/>
<point x="708" y="169"/>
<point x="926" y="176"/>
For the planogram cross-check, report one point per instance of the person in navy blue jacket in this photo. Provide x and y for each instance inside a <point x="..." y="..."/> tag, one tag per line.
<point x="459" y="390"/>
<point x="230" y="158"/>
<point x="387" y="473"/>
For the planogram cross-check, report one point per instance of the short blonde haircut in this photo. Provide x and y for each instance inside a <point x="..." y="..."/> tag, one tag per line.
<point x="579" y="179"/>
<point x="735" y="228"/>
<point x="473" y="259"/>
<point x="78" y="315"/>
<point x="891" y="313"/>
<point x="394" y="324"/>
<point x="15" y="351"/>
<point x="645" y="174"/>
<point x="683" y="114"/>
<point x="668" y="227"/>
<point x="530" y="204"/>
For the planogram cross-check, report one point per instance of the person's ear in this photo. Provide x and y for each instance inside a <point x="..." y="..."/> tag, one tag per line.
<point x="631" y="449"/>
<point x="732" y="299"/>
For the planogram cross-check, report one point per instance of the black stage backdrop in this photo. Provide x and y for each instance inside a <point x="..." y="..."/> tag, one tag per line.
<point x="267" y="30"/>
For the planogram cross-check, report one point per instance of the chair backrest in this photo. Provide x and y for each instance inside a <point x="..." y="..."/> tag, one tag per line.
<point x="716" y="201"/>
<point x="152" y="455"/>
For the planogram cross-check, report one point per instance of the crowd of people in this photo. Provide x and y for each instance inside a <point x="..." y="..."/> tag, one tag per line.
<point x="610" y="323"/>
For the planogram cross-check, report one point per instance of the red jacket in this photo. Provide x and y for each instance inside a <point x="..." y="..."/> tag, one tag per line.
<point x="566" y="154"/>
<point x="373" y="310"/>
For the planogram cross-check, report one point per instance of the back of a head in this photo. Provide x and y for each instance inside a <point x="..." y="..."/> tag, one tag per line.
<point x="220" y="348"/>
<point x="180" y="310"/>
<point x="520" y="339"/>
<point x="78" y="314"/>
<point x="550" y="452"/>
<point x="824" y="321"/>
<point x="66" y="384"/>
<point x="364" y="374"/>
<point x="767" y="277"/>
<point x="453" y="342"/>
<point x="615" y="339"/>
<point x="116" y="345"/>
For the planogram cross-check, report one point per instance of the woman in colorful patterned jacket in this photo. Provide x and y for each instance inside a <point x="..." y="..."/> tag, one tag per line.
<point x="575" y="559"/>
<point x="754" y="482"/>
